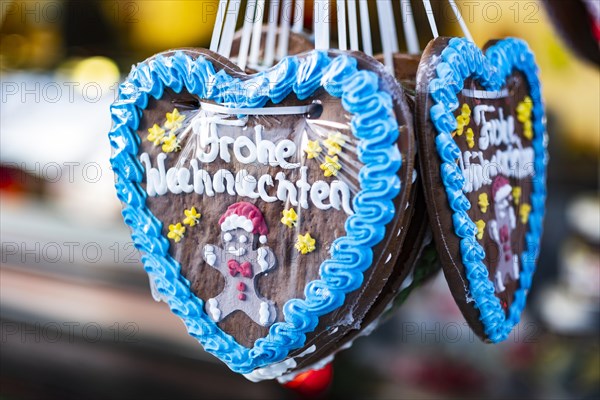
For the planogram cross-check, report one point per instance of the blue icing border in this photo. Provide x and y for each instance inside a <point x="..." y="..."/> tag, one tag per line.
<point x="460" y="60"/>
<point x="351" y="255"/>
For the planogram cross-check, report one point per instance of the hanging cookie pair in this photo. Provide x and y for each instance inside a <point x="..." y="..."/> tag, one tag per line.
<point x="278" y="213"/>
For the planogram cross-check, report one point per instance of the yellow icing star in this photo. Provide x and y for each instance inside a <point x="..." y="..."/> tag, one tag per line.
<point x="465" y="110"/>
<point x="331" y="166"/>
<point x="334" y="143"/>
<point x="524" y="109"/>
<point x="460" y="125"/>
<point x="528" y="130"/>
<point x="174" y="120"/>
<point x="191" y="216"/>
<point x="176" y="232"/>
<point x="312" y="149"/>
<point x="156" y="134"/>
<point x="480" y="224"/>
<point x="516" y="193"/>
<point x="170" y="144"/>
<point x="524" y="211"/>
<point x="483" y="202"/>
<point x="470" y="136"/>
<point x="463" y="119"/>
<point x="290" y="218"/>
<point x="305" y="244"/>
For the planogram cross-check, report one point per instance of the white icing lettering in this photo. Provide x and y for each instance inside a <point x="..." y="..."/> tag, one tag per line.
<point x="318" y="193"/>
<point x="239" y="144"/>
<point x="339" y="196"/>
<point x="192" y="178"/>
<point x="183" y="180"/>
<point x="286" y="190"/>
<point x="304" y="187"/>
<point x="156" y="180"/>
<point x="202" y="180"/>
<point x="262" y="191"/>
<point x="514" y="161"/>
<point x="221" y="176"/>
<point x="284" y="149"/>
<point x="265" y="150"/>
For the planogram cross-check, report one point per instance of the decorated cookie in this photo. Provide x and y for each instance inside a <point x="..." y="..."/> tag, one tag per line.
<point x="272" y="210"/>
<point x="481" y="128"/>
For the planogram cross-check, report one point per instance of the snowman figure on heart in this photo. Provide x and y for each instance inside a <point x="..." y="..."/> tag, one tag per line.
<point x="240" y="262"/>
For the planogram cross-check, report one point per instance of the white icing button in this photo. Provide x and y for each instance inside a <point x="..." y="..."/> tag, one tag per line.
<point x="227" y="237"/>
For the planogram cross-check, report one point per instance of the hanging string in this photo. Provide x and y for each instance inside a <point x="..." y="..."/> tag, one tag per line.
<point x="353" y="25"/>
<point x="461" y="21"/>
<point x="408" y="24"/>
<point x="269" y="56"/>
<point x="322" y="24"/>
<point x="430" y="18"/>
<point x="216" y="36"/>
<point x="284" y="29"/>
<point x="257" y="33"/>
<point x="229" y="28"/>
<point x="249" y="19"/>
<point x="365" y="27"/>
<point x="341" y="22"/>
<point x="388" y="33"/>
<point x="279" y="110"/>
<point x="298" y="26"/>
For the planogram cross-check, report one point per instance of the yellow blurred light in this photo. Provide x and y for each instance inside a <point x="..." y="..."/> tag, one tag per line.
<point x="160" y="25"/>
<point x="101" y="71"/>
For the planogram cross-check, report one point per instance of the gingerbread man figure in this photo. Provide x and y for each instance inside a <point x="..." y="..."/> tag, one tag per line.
<point x="501" y="229"/>
<point x="242" y="227"/>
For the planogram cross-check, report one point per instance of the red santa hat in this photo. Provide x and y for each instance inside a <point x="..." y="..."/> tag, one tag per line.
<point x="500" y="188"/>
<point x="245" y="216"/>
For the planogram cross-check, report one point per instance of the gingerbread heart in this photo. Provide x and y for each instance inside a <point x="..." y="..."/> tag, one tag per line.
<point x="270" y="209"/>
<point x="481" y="128"/>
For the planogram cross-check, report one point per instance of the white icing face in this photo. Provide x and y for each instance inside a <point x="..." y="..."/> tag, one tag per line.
<point x="239" y="242"/>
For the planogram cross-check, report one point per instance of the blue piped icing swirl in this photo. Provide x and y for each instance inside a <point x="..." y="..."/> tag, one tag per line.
<point x="285" y="72"/>
<point x="372" y="123"/>
<point x="460" y="60"/>
<point x="310" y="72"/>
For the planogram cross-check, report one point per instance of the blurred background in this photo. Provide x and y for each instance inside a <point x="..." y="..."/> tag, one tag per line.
<point x="77" y="317"/>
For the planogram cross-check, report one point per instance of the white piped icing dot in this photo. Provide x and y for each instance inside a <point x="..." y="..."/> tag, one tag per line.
<point x="264" y="314"/>
<point x="227" y="237"/>
<point x="262" y="239"/>
<point x="243" y="239"/>
<point x="213" y="306"/>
